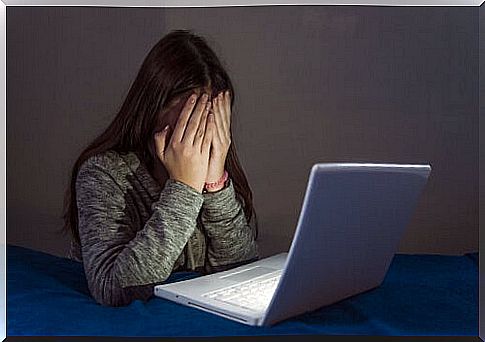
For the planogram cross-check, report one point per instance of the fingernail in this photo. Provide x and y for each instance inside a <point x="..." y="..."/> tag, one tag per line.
<point x="166" y="127"/>
<point x="192" y="98"/>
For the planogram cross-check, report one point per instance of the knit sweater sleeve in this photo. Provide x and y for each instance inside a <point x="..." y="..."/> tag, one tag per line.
<point x="122" y="263"/>
<point x="231" y="239"/>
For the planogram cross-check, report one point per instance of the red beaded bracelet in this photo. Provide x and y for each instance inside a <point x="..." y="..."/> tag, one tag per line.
<point x="218" y="183"/>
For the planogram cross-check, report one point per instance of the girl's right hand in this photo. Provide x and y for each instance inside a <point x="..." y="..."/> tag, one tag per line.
<point x="186" y="156"/>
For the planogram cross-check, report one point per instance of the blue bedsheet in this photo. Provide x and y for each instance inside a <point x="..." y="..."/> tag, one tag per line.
<point x="421" y="295"/>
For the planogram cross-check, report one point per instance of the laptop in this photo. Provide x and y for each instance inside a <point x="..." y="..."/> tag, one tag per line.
<point x="351" y="222"/>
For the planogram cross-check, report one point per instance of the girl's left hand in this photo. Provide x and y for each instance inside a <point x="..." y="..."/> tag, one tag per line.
<point x="221" y="138"/>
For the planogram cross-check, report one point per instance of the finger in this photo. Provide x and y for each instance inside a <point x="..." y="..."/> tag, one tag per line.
<point x="209" y="133"/>
<point x="160" y="144"/>
<point x="219" y="113"/>
<point x="228" y="109"/>
<point x="223" y="109"/>
<point x="179" y="129"/>
<point x="202" y="126"/>
<point x="194" y="121"/>
<point x="218" y="126"/>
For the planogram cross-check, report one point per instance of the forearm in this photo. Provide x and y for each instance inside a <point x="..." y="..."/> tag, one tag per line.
<point x="121" y="263"/>
<point x="151" y="254"/>
<point x="231" y="239"/>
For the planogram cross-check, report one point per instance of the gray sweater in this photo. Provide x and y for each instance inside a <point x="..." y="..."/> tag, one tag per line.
<point x="134" y="233"/>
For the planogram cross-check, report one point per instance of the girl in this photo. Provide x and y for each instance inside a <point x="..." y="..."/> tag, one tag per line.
<point x="144" y="201"/>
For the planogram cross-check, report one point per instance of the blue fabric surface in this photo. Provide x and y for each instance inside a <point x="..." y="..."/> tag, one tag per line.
<point x="421" y="295"/>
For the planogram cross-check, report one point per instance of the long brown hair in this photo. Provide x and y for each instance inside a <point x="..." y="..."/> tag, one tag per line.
<point x="178" y="64"/>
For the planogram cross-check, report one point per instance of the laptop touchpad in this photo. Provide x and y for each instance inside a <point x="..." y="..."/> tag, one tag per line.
<point x="248" y="274"/>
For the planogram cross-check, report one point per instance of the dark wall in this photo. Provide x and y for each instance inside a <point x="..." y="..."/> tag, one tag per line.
<point x="314" y="84"/>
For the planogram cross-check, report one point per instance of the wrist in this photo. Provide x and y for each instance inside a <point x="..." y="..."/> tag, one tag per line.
<point x="196" y="187"/>
<point x="217" y="185"/>
<point x="213" y="189"/>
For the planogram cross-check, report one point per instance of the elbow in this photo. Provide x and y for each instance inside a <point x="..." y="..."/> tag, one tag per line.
<point x="106" y="290"/>
<point x="109" y="294"/>
<point x="110" y="301"/>
<point x="235" y="258"/>
<point x="246" y="252"/>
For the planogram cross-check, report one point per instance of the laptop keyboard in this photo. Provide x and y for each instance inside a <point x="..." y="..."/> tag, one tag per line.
<point x="254" y="294"/>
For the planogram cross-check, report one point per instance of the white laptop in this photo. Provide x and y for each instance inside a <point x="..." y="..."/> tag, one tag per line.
<point x="352" y="219"/>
